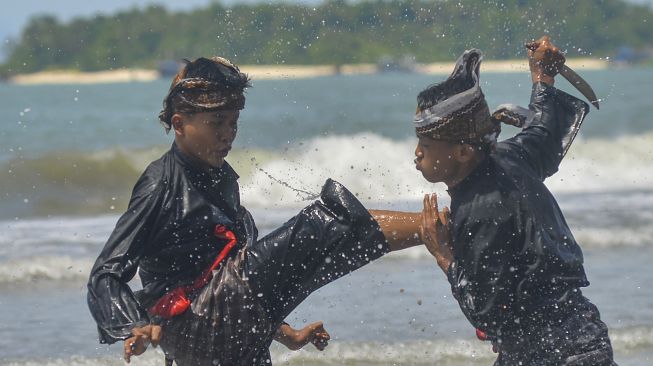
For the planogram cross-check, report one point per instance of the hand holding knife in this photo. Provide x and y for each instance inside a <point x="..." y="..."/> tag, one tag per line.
<point x="551" y="61"/>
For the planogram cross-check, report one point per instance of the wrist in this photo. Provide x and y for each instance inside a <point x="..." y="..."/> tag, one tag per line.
<point x="443" y="263"/>
<point x="541" y="77"/>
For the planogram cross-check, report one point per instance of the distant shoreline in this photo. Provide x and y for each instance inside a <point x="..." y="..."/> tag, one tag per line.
<point x="263" y="72"/>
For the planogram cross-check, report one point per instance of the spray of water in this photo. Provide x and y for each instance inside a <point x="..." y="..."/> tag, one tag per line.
<point x="301" y="193"/>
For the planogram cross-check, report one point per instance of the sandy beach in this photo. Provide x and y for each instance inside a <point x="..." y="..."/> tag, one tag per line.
<point x="281" y="71"/>
<point x="505" y="66"/>
<point x="79" y="77"/>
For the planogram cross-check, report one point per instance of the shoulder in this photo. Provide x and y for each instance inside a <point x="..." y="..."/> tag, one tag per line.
<point x="510" y="151"/>
<point x="493" y="198"/>
<point x="154" y="177"/>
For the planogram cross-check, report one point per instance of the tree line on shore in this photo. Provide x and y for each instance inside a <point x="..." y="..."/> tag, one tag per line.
<point x="332" y="32"/>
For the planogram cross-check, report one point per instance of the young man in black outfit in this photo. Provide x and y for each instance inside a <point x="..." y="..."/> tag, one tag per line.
<point x="213" y="292"/>
<point x="512" y="261"/>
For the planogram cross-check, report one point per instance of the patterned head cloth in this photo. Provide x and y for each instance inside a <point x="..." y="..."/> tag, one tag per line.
<point x="455" y="110"/>
<point x="205" y="85"/>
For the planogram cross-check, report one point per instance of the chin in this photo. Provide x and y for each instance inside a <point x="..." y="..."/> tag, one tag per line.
<point x="217" y="160"/>
<point x="426" y="177"/>
<point x="432" y="179"/>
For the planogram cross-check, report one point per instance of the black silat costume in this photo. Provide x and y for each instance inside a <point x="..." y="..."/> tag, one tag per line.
<point x="167" y="235"/>
<point x="517" y="269"/>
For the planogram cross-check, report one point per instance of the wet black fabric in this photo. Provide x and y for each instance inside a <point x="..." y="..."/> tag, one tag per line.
<point x="516" y="261"/>
<point x="572" y="335"/>
<point x="166" y="234"/>
<point x="325" y="241"/>
<point x="236" y="315"/>
<point x="225" y="324"/>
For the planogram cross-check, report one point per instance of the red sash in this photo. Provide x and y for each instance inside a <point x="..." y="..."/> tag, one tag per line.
<point x="484" y="337"/>
<point x="481" y="335"/>
<point x="176" y="301"/>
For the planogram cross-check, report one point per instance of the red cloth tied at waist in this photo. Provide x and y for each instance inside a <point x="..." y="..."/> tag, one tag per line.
<point x="176" y="302"/>
<point x="481" y="335"/>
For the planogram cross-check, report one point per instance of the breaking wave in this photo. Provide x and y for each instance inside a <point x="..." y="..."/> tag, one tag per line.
<point x="45" y="268"/>
<point x="377" y="169"/>
<point x="75" y="270"/>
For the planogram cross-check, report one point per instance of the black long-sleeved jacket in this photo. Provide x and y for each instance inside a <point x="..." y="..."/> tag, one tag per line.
<point x="515" y="259"/>
<point x="166" y="233"/>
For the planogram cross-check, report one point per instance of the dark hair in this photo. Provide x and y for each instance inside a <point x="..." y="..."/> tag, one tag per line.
<point x="202" y="85"/>
<point x="459" y="81"/>
<point x="215" y="69"/>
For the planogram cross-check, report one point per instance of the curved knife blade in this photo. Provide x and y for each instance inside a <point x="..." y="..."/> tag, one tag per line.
<point x="580" y="84"/>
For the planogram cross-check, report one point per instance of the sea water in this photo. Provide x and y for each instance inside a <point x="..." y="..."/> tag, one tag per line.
<point x="71" y="154"/>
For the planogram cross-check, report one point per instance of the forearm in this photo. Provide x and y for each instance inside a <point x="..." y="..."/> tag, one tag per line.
<point x="401" y="229"/>
<point x="285" y="335"/>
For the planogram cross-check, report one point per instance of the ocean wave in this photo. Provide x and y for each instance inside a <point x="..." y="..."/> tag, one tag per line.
<point x="59" y="229"/>
<point x="626" y="342"/>
<point x="614" y="237"/>
<point x="604" y="165"/>
<point x="146" y="360"/>
<point x="441" y="352"/>
<point x="38" y="262"/>
<point x="45" y="268"/>
<point x="421" y="352"/>
<point x="631" y="339"/>
<point x="377" y="169"/>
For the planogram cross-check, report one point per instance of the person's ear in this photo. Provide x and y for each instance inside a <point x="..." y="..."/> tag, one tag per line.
<point x="177" y="121"/>
<point x="464" y="153"/>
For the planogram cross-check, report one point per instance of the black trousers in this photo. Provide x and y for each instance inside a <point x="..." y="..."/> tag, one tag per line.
<point x="324" y="242"/>
<point x="233" y="319"/>
<point x="579" y="338"/>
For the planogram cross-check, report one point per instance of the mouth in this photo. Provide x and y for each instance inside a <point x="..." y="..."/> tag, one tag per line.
<point x="225" y="151"/>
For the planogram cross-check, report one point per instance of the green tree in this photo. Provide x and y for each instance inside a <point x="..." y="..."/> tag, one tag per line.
<point x="333" y="32"/>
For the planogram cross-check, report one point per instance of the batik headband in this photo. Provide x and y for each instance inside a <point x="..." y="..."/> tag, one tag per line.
<point x="223" y="91"/>
<point x="460" y="113"/>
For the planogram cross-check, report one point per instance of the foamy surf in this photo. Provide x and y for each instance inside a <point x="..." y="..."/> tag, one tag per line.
<point x="377" y="169"/>
<point x="65" y="269"/>
<point x="45" y="268"/>
<point x="625" y="341"/>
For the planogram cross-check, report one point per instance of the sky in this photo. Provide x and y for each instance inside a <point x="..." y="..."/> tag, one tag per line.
<point x="15" y="15"/>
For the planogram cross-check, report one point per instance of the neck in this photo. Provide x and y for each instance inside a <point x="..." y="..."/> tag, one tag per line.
<point x="463" y="171"/>
<point x="192" y="159"/>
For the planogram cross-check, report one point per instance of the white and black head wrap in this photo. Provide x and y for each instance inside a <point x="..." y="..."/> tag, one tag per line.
<point x="455" y="110"/>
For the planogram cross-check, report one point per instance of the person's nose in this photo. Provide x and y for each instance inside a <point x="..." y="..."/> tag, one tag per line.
<point x="418" y="154"/>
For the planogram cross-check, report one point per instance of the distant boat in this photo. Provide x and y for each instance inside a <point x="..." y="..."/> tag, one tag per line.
<point x="389" y="64"/>
<point x="627" y="56"/>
